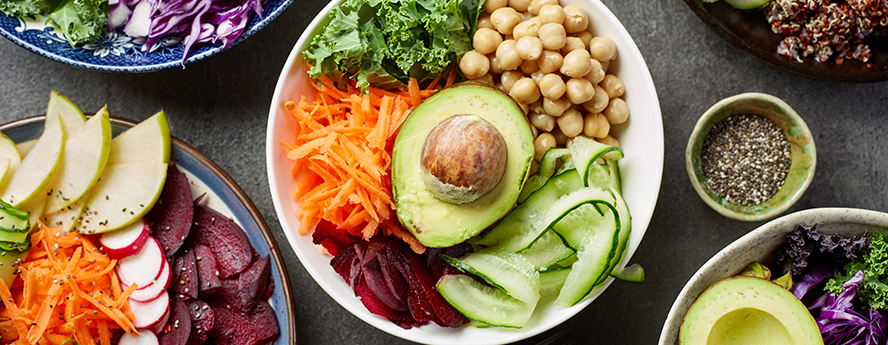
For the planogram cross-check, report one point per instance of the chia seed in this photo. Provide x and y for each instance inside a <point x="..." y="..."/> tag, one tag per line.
<point x="745" y="159"/>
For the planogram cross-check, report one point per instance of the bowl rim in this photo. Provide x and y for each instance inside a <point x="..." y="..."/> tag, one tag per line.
<point x="274" y="249"/>
<point x="697" y="135"/>
<point x="779" y="226"/>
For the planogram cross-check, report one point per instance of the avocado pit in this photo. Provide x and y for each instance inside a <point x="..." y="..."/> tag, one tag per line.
<point x="463" y="158"/>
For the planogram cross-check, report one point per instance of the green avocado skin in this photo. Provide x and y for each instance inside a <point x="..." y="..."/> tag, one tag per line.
<point x="748" y="310"/>
<point x="436" y="223"/>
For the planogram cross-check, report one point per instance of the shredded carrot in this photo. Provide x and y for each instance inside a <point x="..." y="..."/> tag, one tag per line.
<point x="54" y="300"/>
<point x="342" y="154"/>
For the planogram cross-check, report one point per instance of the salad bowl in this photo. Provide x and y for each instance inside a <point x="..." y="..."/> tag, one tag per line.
<point x="758" y="245"/>
<point x="117" y="52"/>
<point x="222" y="194"/>
<point x="641" y="138"/>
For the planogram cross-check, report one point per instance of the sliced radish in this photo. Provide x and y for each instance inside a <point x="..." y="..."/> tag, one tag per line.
<point x="158" y="328"/>
<point x="145" y="337"/>
<point x="126" y="241"/>
<point x="150" y="314"/>
<point x="154" y="289"/>
<point x="144" y="267"/>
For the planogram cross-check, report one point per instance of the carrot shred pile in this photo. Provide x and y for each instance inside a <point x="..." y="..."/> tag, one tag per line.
<point x="343" y="150"/>
<point x="66" y="288"/>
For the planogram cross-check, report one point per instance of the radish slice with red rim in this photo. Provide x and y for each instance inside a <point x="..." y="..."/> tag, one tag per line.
<point x="145" y="337"/>
<point x="144" y="267"/>
<point x="150" y="314"/>
<point x="154" y="289"/>
<point x="127" y="241"/>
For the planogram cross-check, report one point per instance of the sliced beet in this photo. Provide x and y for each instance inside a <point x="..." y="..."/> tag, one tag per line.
<point x="348" y="263"/>
<point x="241" y="293"/>
<point x="171" y="216"/>
<point x="416" y="273"/>
<point x="202" y="320"/>
<point x="185" y="279"/>
<point x="395" y="282"/>
<point x="374" y="305"/>
<point x="228" y="242"/>
<point x="269" y="288"/>
<point x="332" y="239"/>
<point x="206" y="269"/>
<point x="249" y="328"/>
<point x="179" y="324"/>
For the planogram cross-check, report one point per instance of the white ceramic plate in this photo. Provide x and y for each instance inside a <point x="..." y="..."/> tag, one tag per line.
<point x="642" y="168"/>
<point x="758" y="245"/>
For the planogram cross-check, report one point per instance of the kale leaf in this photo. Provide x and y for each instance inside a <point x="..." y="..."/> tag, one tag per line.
<point x="806" y="245"/>
<point x="874" y="264"/>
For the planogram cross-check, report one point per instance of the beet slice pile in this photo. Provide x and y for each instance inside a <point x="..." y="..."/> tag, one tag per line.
<point x="391" y="280"/>
<point x="220" y="287"/>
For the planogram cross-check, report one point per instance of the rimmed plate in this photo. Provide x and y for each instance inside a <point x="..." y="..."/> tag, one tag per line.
<point x="750" y="31"/>
<point x="224" y="195"/>
<point x="114" y="52"/>
<point x="642" y="167"/>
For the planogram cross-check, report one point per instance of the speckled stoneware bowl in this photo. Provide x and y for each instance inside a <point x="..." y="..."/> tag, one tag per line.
<point x="758" y="246"/>
<point x="801" y="171"/>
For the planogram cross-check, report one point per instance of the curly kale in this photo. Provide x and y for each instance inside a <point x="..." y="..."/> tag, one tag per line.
<point x="80" y="20"/>
<point x="874" y="264"/>
<point x="806" y="245"/>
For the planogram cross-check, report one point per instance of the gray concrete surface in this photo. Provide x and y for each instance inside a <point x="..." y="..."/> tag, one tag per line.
<point x="219" y="106"/>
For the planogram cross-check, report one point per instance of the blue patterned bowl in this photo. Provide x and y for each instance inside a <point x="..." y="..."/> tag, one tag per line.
<point x="116" y="52"/>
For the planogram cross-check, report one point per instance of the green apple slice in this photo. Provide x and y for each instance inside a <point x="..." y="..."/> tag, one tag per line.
<point x="8" y="153"/>
<point x="132" y="179"/>
<point x="71" y="116"/>
<point x="36" y="169"/>
<point x="86" y="152"/>
<point x="66" y="218"/>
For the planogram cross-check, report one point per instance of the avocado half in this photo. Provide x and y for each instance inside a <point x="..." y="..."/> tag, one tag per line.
<point x="748" y="310"/>
<point x="438" y="223"/>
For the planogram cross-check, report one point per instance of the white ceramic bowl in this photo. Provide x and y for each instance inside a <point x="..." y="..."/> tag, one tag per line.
<point x="758" y="246"/>
<point x="642" y="168"/>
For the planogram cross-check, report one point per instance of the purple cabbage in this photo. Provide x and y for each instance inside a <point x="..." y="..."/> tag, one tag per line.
<point x="840" y="322"/>
<point x="806" y="246"/>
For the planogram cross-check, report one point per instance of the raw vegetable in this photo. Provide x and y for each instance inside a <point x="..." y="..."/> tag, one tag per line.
<point x="64" y="273"/>
<point x="80" y="20"/>
<point x="873" y="288"/>
<point x="385" y="43"/>
<point x="343" y="148"/>
<point x="806" y="246"/>
<point x="841" y="323"/>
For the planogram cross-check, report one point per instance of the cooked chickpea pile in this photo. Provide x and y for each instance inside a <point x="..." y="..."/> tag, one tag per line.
<point x="541" y="54"/>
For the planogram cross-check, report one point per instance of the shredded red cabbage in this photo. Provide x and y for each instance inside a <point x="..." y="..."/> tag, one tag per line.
<point x="841" y="323"/>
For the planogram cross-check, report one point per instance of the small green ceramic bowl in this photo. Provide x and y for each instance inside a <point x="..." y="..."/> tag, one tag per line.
<point x="801" y="171"/>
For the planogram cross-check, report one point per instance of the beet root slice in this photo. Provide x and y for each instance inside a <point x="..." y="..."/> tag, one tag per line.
<point x="202" y="320"/>
<point x="241" y="293"/>
<point x="228" y="242"/>
<point x="179" y="324"/>
<point x="185" y="279"/>
<point x="206" y="269"/>
<point x="171" y="216"/>
<point x="253" y="327"/>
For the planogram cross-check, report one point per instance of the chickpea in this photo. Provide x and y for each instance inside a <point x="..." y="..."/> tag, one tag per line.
<point x="535" y="132"/>
<point x="525" y="91"/>
<point x="493" y="5"/>
<point x="572" y="43"/>
<point x="579" y="90"/>
<point x="602" y="48"/>
<point x="519" y="5"/>
<point x="552" y="86"/>
<point x="612" y="85"/>
<point x="585" y="36"/>
<point x="509" y="78"/>
<point x="576" y="64"/>
<point x="560" y="138"/>
<point x="570" y="123"/>
<point x="537" y="77"/>
<point x="550" y="61"/>
<point x="495" y="67"/>
<point x="505" y="19"/>
<point x="556" y="107"/>
<point x="537" y="107"/>
<point x="486" y="40"/>
<point x="617" y="111"/>
<point x="474" y="64"/>
<point x="569" y="142"/>
<point x="542" y="122"/>
<point x="507" y="55"/>
<point x="609" y="140"/>
<point x="529" y="48"/>
<point x="596" y="74"/>
<point x="484" y="21"/>
<point x="541" y="144"/>
<point x="526" y="109"/>
<point x="605" y="65"/>
<point x="575" y="19"/>
<point x="595" y="125"/>
<point x="484" y="79"/>
<point x="526" y="28"/>
<point x="553" y="36"/>
<point x="536" y="5"/>
<point x="552" y="14"/>
<point x="598" y="102"/>
<point x="529" y="66"/>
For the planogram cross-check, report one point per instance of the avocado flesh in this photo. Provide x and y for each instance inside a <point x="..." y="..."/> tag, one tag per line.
<point x="436" y="223"/>
<point x="748" y="310"/>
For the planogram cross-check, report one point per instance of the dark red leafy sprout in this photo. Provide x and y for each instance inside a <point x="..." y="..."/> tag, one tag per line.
<point x="806" y="245"/>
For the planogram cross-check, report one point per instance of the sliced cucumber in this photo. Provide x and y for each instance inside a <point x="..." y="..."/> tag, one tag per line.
<point x="510" y="272"/>
<point x="547" y="251"/>
<point x="747" y="4"/>
<point x="533" y="183"/>
<point x="13" y="219"/>
<point x="584" y="152"/>
<point x="483" y="303"/>
<point x="550" y="160"/>
<point x="633" y="273"/>
<point x="551" y="282"/>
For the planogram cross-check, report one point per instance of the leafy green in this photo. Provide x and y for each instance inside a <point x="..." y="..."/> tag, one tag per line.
<point x="874" y="288"/>
<point x="80" y="20"/>
<point x="384" y="43"/>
